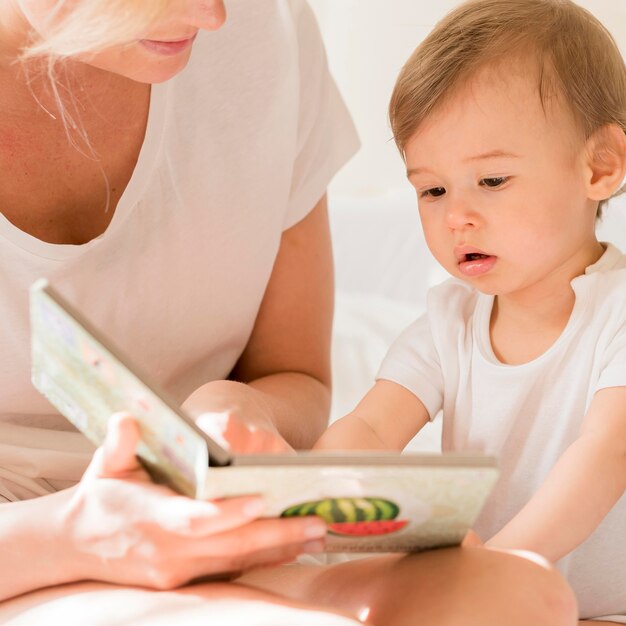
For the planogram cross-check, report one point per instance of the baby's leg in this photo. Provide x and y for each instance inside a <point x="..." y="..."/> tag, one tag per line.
<point x="99" y="604"/>
<point x="453" y="587"/>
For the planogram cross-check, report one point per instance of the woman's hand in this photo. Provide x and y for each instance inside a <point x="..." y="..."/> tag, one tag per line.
<point x="123" y="529"/>
<point x="235" y="415"/>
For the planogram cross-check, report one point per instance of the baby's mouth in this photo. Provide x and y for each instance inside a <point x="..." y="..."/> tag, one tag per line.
<point x="473" y="264"/>
<point x="474" y="256"/>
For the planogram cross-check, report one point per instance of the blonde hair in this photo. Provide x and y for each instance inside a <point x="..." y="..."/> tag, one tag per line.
<point x="94" y="25"/>
<point x="577" y="58"/>
<point x="85" y="28"/>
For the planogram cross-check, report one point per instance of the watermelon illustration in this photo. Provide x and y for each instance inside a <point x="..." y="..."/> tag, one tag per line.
<point x="366" y="529"/>
<point x="357" y="517"/>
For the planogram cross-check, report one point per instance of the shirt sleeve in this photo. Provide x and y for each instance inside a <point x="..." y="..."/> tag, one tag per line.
<point x="326" y="135"/>
<point x="613" y="372"/>
<point x="610" y="316"/>
<point x="413" y="362"/>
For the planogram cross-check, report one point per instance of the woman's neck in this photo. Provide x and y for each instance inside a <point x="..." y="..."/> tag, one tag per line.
<point x="27" y="84"/>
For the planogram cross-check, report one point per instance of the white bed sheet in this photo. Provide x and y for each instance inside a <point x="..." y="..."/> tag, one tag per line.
<point x="365" y="326"/>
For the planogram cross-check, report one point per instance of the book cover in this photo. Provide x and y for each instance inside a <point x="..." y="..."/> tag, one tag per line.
<point x="371" y="502"/>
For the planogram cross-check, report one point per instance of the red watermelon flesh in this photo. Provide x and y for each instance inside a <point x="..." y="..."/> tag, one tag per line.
<point x="364" y="529"/>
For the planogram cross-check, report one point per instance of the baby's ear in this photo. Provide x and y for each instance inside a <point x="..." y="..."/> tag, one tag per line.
<point x="606" y="162"/>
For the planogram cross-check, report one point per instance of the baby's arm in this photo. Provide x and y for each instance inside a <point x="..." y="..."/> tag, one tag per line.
<point x="387" y="418"/>
<point x="581" y="489"/>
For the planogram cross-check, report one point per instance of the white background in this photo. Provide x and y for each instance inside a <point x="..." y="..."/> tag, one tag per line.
<point x="368" y="41"/>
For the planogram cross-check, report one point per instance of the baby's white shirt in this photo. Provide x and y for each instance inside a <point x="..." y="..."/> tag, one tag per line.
<point x="526" y="415"/>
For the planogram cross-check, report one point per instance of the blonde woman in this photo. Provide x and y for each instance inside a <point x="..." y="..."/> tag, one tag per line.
<point x="179" y="200"/>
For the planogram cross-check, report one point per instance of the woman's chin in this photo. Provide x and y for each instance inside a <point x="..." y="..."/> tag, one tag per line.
<point x="141" y="66"/>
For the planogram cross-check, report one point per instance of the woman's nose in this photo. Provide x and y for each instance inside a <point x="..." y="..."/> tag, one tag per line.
<point x="206" y="14"/>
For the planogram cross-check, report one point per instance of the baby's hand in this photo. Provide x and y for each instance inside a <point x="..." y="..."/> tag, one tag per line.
<point x="233" y="414"/>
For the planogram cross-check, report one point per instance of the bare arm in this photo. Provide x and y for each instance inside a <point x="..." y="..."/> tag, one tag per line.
<point x="286" y="364"/>
<point x="582" y="488"/>
<point x="116" y="526"/>
<point x="159" y="539"/>
<point x="26" y="540"/>
<point x="387" y="418"/>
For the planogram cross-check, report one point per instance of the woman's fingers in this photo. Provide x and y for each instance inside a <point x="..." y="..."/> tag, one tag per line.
<point x="198" y="519"/>
<point x="236" y="565"/>
<point x="265" y="534"/>
<point x="263" y="542"/>
<point x="116" y="457"/>
<point x="120" y="445"/>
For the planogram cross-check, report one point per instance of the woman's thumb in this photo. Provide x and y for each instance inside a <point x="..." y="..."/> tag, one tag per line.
<point x="117" y="454"/>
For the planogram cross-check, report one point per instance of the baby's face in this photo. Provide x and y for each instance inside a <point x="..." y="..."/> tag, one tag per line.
<point x="501" y="186"/>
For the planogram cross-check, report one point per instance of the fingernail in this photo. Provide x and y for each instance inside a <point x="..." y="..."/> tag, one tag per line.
<point x="254" y="508"/>
<point x="315" y="531"/>
<point x="314" y="547"/>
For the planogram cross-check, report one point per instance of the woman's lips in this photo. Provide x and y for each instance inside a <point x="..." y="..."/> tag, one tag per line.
<point x="167" y="48"/>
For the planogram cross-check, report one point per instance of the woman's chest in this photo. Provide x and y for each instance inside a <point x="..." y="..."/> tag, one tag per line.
<point x="62" y="184"/>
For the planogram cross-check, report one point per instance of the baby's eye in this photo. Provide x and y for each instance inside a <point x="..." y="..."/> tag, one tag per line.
<point x="495" y="181"/>
<point x="433" y="192"/>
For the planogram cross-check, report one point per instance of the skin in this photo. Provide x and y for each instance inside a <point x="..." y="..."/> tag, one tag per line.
<point x="132" y="59"/>
<point x="138" y="541"/>
<point x="491" y="586"/>
<point x="112" y="90"/>
<point x="296" y="314"/>
<point x="483" y="198"/>
<point x="495" y="170"/>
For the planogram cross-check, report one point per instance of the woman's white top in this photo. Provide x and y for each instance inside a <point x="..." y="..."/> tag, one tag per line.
<point x="526" y="415"/>
<point x="239" y="147"/>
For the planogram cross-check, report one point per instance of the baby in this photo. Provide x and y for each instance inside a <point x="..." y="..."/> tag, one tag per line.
<point x="511" y="118"/>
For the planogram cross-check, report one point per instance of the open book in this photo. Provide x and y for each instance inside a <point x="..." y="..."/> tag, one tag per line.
<point x="372" y="502"/>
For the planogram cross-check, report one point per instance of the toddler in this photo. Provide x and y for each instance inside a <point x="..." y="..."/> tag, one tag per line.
<point x="511" y="119"/>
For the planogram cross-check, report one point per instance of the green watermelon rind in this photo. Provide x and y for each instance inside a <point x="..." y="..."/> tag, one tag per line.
<point x="346" y="510"/>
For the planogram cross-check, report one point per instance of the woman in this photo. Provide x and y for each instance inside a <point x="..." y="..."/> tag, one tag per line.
<point x="185" y="213"/>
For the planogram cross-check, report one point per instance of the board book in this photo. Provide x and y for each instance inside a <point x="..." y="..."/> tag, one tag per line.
<point x="371" y="502"/>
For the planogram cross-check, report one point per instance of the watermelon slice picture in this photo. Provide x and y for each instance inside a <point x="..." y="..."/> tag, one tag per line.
<point x="355" y="517"/>
<point x="367" y="529"/>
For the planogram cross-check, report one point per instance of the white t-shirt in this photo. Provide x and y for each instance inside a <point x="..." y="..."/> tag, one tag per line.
<point x="239" y="147"/>
<point x="526" y="415"/>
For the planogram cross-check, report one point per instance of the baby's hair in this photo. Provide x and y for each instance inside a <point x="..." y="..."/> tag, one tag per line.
<point x="577" y="60"/>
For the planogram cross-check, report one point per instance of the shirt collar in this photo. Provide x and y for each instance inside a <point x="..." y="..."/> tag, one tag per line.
<point x="607" y="261"/>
